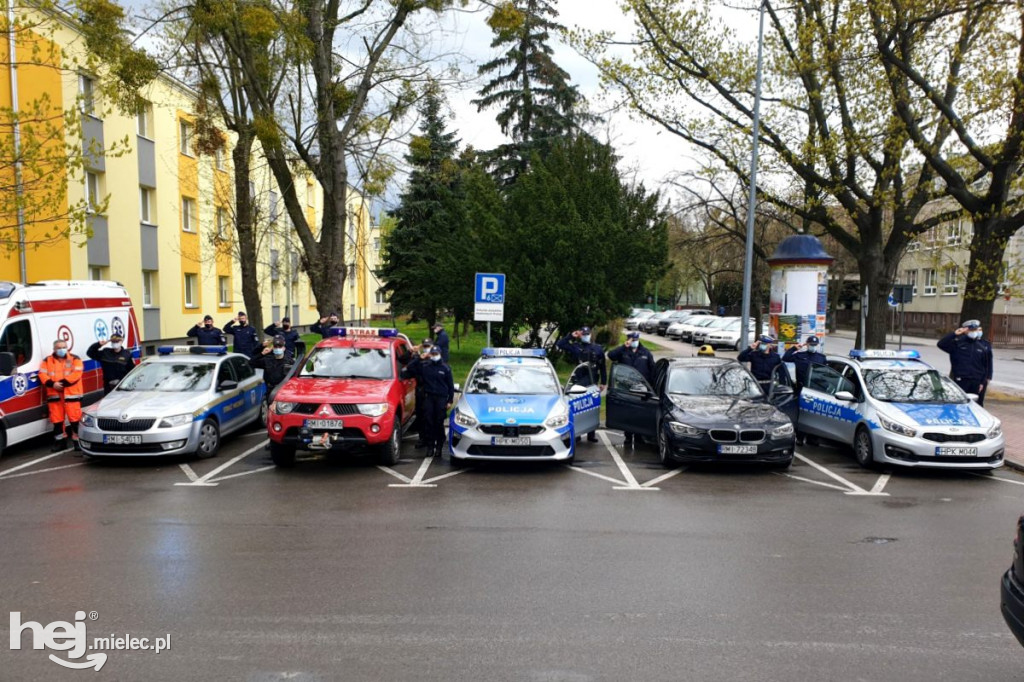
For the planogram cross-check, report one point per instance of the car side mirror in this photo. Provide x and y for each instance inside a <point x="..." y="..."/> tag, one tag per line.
<point x="973" y="396"/>
<point x="640" y="390"/>
<point x="577" y="389"/>
<point x="845" y="396"/>
<point x="7" y="364"/>
<point x="227" y="385"/>
<point x="458" y="388"/>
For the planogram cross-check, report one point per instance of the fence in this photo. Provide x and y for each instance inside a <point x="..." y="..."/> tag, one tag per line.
<point x="1004" y="330"/>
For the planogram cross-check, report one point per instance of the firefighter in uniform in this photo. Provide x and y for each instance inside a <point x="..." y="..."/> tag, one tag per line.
<point x="578" y="347"/>
<point x="61" y="374"/>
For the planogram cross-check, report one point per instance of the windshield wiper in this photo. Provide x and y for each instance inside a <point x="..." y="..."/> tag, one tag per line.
<point x="357" y="376"/>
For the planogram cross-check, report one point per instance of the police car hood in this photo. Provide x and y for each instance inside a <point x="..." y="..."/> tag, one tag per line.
<point x="506" y="408"/>
<point x="312" y="390"/>
<point x="967" y="414"/>
<point x="149" y="403"/>
<point x="714" y="408"/>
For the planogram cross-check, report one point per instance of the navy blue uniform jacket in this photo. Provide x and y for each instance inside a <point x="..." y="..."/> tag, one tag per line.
<point x="640" y="359"/>
<point x="290" y="336"/>
<point x="969" y="358"/>
<point x="207" y="337"/>
<point x="803" y="361"/>
<point x="591" y="353"/>
<point x="436" y="377"/>
<point x="761" y="364"/>
<point x="441" y="341"/>
<point x="247" y="339"/>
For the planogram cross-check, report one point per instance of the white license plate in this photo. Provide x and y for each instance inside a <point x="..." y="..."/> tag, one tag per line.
<point x="510" y="441"/>
<point x="324" y="424"/>
<point x="947" y="451"/>
<point x="737" y="449"/>
<point x="122" y="440"/>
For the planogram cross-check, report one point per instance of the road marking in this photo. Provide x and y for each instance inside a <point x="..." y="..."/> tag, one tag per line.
<point x="588" y="472"/>
<point x="35" y="461"/>
<point x="205" y="480"/>
<point x="417" y="480"/>
<point x="394" y="473"/>
<point x="664" y="477"/>
<point x="43" y="471"/>
<point x="448" y="475"/>
<point x="630" y="482"/>
<point x="880" y="483"/>
<point x="192" y="475"/>
<point x="853" y="488"/>
<point x="821" y="483"/>
<point x="244" y="473"/>
<point x="998" y="478"/>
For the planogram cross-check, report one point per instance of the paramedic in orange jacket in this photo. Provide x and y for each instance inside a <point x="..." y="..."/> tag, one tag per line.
<point x="61" y="374"/>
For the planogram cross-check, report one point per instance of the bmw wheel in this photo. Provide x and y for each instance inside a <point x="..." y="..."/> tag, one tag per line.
<point x="863" y="449"/>
<point x="209" y="438"/>
<point x="664" y="451"/>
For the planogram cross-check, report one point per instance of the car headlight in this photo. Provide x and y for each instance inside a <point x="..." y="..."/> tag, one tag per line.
<point x="994" y="431"/>
<point x="282" y="407"/>
<point x="782" y="431"/>
<point x="558" y="418"/>
<point x="176" y="420"/>
<point x="681" y="429"/>
<point x="373" y="409"/>
<point x="464" y="418"/>
<point x="896" y="427"/>
<point x="88" y="420"/>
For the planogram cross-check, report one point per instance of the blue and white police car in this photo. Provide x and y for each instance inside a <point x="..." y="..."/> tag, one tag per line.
<point x="894" y="408"/>
<point x="512" y="408"/>
<point x="183" y="400"/>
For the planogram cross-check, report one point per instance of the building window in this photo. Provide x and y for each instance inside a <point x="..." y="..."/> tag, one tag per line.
<point x="144" y="120"/>
<point x="222" y="223"/>
<point x="189" y="221"/>
<point x="146" y="205"/>
<point x="309" y="194"/>
<point x="185" y="137"/>
<point x="910" y="277"/>
<point x="381" y="296"/>
<point x="929" y="282"/>
<point x="273" y="206"/>
<point x="86" y="94"/>
<point x="914" y="245"/>
<point x="92" y="191"/>
<point x="376" y="244"/>
<point x="191" y="290"/>
<point x="352" y="228"/>
<point x="952" y="284"/>
<point x="218" y="158"/>
<point x="1004" y="279"/>
<point x="97" y="273"/>
<point x="275" y="264"/>
<point x="224" y="291"/>
<point x="148" y="288"/>
<point x="955" y="232"/>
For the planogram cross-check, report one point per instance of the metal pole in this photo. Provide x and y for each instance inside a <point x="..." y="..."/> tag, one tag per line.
<point x="864" y="317"/>
<point x="488" y="333"/>
<point x="902" y="310"/>
<point x="748" y="263"/>
<point x="19" y="188"/>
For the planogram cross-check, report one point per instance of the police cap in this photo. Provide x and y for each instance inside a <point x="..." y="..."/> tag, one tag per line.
<point x="971" y="324"/>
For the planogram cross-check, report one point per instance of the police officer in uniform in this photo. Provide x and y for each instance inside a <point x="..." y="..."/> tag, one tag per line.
<point x="804" y="355"/>
<point x="423" y="353"/>
<point x="291" y="337"/>
<point x="115" y="360"/>
<point x="438" y="395"/>
<point x="247" y="338"/>
<point x="275" y="361"/>
<point x="441" y="341"/>
<point x="634" y="354"/>
<point x="970" y="358"/>
<point x="206" y="334"/>
<point x="322" y="326"/>
<point x="763" y="359"/>
<point x="579" y="347"/>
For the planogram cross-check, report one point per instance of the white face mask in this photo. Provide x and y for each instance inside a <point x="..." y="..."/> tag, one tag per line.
<point x="278" y="352"/>
<point x="585" y="338"/>
<point x="435" y="358"/>
<point x="974" y="335"/>
<point x="634" y="344"/>
<point x="812" y="349"/>
<point x="115" y="346"/>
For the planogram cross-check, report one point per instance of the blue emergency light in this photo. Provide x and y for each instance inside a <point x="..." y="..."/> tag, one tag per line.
<point x="383" y="332"/>
<point x="193" y="350"/>
<point x="513" y="353"/>
<point x="885" y="354"/>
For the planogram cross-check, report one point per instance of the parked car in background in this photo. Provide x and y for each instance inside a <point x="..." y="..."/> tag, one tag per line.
<point x="700" y="335"/>
<point x="674" y="316"/>
<point x="687" y="327"/>
<point x="729" y="335"/>
<point x="637" y="316"/>
<point x="650" y="324"/>
<point x="676" y="327"/>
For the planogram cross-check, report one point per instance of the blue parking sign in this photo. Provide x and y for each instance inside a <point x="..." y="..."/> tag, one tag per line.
<point x="490" y="288"/>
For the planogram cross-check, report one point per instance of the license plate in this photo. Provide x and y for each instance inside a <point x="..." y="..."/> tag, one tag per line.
<point x="947" y="451"/>
<point x="737" y="449"/>
<point x="510" y="441"/>
<point x="324" y="424"/>
<point x="122" y="440"/>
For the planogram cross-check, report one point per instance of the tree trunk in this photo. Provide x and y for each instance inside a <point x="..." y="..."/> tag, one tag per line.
<point x="877" y="276"/>
<point x="984" y="272"/>
<point x="245" y="231"/>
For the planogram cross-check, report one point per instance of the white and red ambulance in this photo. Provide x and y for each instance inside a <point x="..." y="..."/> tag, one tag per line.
<point x="32" y="317"/>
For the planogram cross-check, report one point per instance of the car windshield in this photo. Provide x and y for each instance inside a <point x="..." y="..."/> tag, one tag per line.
<point x="721" y="380"/>
<point x="640" y="314"/>
<point x="520" y="379"/>
<point x="188" y="377"/>
<point x="912" y="386"/>
<point x="348" y="363"/>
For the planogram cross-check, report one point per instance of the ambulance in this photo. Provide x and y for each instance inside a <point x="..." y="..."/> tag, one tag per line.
<point x="32" y="317"/>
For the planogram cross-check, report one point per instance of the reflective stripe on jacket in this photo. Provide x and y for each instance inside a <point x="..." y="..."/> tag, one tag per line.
<point x="67" y="370"/>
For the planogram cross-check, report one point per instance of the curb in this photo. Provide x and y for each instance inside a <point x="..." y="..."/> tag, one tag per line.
<point x="1018" y="466"/>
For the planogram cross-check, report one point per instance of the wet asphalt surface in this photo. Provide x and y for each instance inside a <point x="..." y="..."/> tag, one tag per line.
<point x="340" y="570"/>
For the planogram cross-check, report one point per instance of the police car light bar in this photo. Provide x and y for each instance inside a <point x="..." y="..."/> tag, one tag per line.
<point x="384" y="332"/>
<point x="194" y="350"/>
<point x="885" y="354"/>
<point x="513" y="353"/>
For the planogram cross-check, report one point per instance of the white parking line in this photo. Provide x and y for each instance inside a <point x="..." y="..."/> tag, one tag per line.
<point x="588" y="472"/>
<point x="205" y="480"/>
<point x="880" y="483"/>
<point x="394" y="473"/>
<point x="853" y="488"/>
<point x="998" y="478"/>
<point x="630" y="480"/>
<point x="35" y="461"/>
<point x="43" y="471"/>
<point x="243" y="473"/>
<point x="821" y="483"/>
<point x="664" y="477"/>
<point x="417" y="480"/>
<point x="192" y="475"/>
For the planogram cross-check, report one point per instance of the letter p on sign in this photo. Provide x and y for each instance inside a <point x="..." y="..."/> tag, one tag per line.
<point x="490" y="288"/>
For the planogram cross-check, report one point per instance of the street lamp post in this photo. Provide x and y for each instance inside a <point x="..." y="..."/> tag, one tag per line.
<point x="748" y="264"/>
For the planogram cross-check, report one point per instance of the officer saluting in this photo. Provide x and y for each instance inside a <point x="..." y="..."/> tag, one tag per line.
<point x="803" y="356"/>
<point x="762" y="357"/>
<point x="578" y="346"/>
<point x="632" y="353"/>
<point x="115" y="360"/>
<point x="438" y="395"/>
<point x="247" y="338"/>
<point x="970" y="358"/>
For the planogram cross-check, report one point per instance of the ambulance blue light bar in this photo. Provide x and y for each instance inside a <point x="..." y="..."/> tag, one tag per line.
<point x="885" y="354"/>
<point x="192" y="350"/>
<point x="513" y="353"/>
<point x="383" y="332"/>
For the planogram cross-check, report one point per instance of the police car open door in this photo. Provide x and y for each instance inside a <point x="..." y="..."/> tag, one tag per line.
<point x="821" y="412"/>
<point x="632" y="402"/>
<point x="584" y="399"/>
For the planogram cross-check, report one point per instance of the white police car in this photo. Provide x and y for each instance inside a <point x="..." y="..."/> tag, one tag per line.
<point x="894" y="408"/>
<point x="512" y="408"/>
<point x="183" y="400"/>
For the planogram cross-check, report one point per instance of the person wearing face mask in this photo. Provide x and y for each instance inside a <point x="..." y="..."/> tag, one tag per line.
<point x="762" y="357"/>
<point x="206" y="334"/>
<point x="61" y="374"/>
<point x="284" y="328"/>
<point x="275" y="361"/>
<point x="323" y="326"/>
<point x="803" y="356"/>
<point x="634" y="354"/>
<point x="247" y="339"/>
<point x="115" y="360"/>
<point x="970" y="358"/>
<point x="441" y="341"/>
<point x="580" y="350"/>
<point x="421" y="402"/>
<point x="438" y="395"/>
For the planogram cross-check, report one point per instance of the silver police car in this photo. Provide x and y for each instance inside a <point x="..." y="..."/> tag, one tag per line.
<point x="183" y="400"/>
<point x="894" y="408"/>
<point x="513" y="408"/>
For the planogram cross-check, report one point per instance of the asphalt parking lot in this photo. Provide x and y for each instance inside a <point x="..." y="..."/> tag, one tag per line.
<point x="612" y="569"/>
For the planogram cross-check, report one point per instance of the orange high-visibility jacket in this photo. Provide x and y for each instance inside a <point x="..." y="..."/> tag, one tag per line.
<point x="68" y="370"/>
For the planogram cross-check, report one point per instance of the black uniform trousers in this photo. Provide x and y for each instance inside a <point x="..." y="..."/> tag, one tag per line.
<point x="434" y="409"/>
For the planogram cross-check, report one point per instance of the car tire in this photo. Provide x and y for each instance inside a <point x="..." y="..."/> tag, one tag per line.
<point x="863" y="448"/>
<point x="664" y="452"/>
<point x="737" y="346"/>
<point x="282" y="455"/>
<point x="390" y="452"/>
<point x="209" y="438"/>
<point x="3" y="442"/>
<point x="264" y="414"/>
